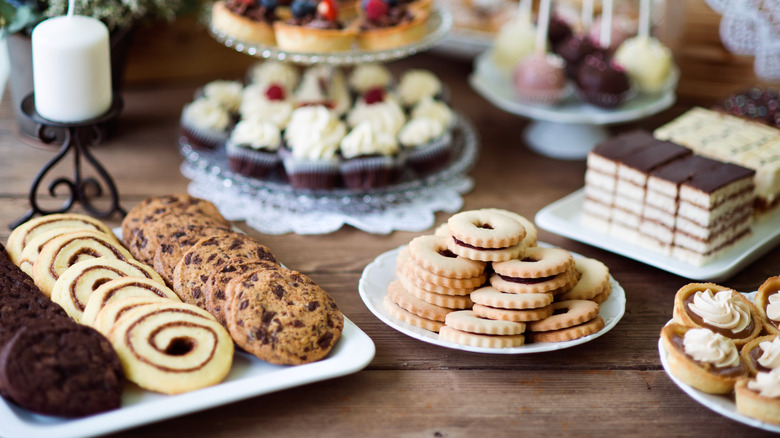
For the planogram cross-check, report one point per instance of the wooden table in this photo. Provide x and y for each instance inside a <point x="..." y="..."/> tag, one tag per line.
<point x="614" y="385"/>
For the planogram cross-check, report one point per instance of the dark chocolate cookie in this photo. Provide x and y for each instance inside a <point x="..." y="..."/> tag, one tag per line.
<point x="61" y="368"/>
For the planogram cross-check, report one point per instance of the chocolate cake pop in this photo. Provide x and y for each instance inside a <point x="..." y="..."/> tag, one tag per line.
<point x="573" y="50"/>
<point x="602" y="82"/>
<point x="540" y="79"/>
<point x="558" y="31"/>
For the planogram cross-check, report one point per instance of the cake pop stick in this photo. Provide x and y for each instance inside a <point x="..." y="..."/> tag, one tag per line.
<point x="525" y="10"/>
<point x="586" y="15"/>
<point x="644" y="18"/>
<point x="543" y="24"/>
<point x="606" y="24"/>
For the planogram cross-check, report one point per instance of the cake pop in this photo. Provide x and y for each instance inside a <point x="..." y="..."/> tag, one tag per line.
<point x="621" y="28"/>
<point x="647" y="61"/>
<point x="540" y="78"/>
<point x="573" y="50"/>
<point x="602" y="82"/>
<point x="558" y="31"/>
<point x="515" y="40"/>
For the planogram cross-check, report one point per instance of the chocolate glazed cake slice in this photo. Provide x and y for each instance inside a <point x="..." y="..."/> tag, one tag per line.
<point x="716" y="211"/>
<point x="633" y="172"/>
<point x="601" y="175"/>
<point x="656" y="230"/>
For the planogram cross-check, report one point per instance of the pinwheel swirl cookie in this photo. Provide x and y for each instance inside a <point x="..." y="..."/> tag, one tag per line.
<point x="722" y="310"/>
<point x="172" y="347"/>
<point x="120" y="289"/>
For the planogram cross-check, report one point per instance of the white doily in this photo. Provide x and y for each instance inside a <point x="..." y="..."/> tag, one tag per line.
<point x="273" y="207"/>
<point x="752" y="27"/>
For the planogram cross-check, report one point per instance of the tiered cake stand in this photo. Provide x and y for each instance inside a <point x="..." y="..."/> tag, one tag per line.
<point x="274" y="207"/>
<point x="570" y="129"/>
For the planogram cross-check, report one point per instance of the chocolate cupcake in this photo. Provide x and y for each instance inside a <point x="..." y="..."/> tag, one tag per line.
<point x="311" y="144"/>
<point x="426" y="144"/>
<point x="252" y="148"/>
<point x="205" y="123"/>
<point x="371" y="158"/>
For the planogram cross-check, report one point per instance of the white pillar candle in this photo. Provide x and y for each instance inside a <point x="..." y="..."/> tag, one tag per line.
<point x="71" y="68"/>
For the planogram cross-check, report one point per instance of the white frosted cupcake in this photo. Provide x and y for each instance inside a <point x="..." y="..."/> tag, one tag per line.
<point x="310" y="155"/>
<point x="383" y="115"/>
<point x="252" y="148"/>
<point x="370" y="158"/>
<point x="324" y="85"/>
<point x="225" y="93"/>
<point x="426" y="143"/>
<point x="205" y="123"/>
<point x="269" y="73"/>
<point x="434" y="109"/>
<point x="268" y="104"/>
<point x="366" y="77"/>
<point x="416" y="85"/>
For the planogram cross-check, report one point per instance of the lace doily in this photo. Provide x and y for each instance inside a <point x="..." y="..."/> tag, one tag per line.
<point x="752" y="27"/>
<point x="273" y="207"/>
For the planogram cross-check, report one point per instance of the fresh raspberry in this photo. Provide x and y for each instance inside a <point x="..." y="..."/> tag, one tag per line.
<point x="275" y="92"/>
<point x="376" y="9"/>
<point x="374" y="95"/>
<point x="328" y="10"/>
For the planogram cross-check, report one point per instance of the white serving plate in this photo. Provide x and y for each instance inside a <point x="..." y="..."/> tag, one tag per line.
<point x="249" y="377"/>
<point x="722" y="404"/>
<point x="563" y="217"/>
<point x="380" y="272"/>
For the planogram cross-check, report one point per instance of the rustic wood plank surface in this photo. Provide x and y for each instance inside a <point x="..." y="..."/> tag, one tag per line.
<point x="614" y="385"/>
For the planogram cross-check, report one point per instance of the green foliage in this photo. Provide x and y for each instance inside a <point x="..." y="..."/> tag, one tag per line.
<point x="23" y="15"/>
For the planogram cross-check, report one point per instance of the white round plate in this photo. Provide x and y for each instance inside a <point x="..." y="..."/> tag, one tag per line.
<point x="722" y="404"/>
<point x="380" y="272"/>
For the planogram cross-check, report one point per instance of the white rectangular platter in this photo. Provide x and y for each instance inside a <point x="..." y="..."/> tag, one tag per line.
<point x="563" y="217"/>
<point x="249" y="377"/>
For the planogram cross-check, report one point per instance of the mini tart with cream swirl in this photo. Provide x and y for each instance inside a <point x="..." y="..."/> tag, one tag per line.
<point x="761" y="354"/>
<point x="719" y="309"/>
<point x="768" y="304"/>
<point x="759" y="397"/>
<point x="702" y="358"/>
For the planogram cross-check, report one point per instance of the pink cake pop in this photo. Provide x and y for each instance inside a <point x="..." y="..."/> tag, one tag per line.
<point x="540" y="77"/>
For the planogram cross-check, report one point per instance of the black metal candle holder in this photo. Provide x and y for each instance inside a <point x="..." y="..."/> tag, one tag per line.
<point x="79" y="137"/>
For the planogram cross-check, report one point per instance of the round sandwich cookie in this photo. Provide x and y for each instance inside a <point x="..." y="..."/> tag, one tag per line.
<point x="594" y="281"/>
<point x="432" y="254"/>
<point x="61" y="368"/>
<point x="485" y="236"/>
<point x="409" y="317"/>
<point x="448" y="333"/>
<point x="468" y="321"/>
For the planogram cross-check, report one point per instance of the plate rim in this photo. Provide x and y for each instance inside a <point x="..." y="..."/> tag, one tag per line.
<point x="355" y="350"/>
<point x="550" y="218"/>
<point x="618" y="294"/>
<point x="727" y="407"/>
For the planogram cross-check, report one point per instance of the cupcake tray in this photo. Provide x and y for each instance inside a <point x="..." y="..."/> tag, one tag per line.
<point x="272" y="206"/>
<point x="438" y="26"/>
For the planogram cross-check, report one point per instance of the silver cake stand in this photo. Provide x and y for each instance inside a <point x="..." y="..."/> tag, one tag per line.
<point x="570" y="129"/>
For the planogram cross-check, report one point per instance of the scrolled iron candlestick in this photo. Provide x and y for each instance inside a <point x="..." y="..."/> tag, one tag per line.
<point x="79" y="137"/>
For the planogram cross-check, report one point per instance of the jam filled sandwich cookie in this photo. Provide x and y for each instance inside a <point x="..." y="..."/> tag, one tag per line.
<point x="466" y="328"/>
<point x="703" y="359"/>
<point x="720" y="309"/>
<point x="413" y="310"/>
<point x="571" y="319"/>
<point x="593" y="283"/>
<point x="485" y="236"/>
<point x="540" y="270"/>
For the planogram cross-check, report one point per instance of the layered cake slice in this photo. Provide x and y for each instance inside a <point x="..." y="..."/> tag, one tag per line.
<point x="633" y="172"/>
<point x="656" y="230"/>
<point x="715" y="211"/>
<point x="601" y="175"/>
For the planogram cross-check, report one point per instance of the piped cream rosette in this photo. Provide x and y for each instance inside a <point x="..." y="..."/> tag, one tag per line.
<point x="172" y="347"/>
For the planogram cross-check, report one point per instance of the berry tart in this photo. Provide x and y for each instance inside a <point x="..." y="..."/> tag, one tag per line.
<point x="388" y="23"/>
<point x="314" y="27"/>
<point x="247" y="20"/>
